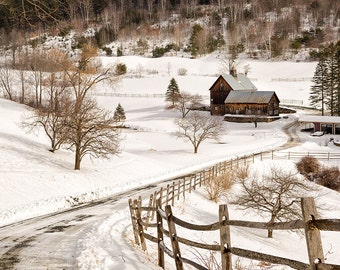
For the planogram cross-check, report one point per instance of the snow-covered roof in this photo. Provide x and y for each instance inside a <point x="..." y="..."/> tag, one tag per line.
<point x="241" y="82"/>
<point x="319" y="119"/>
<point x="249" y="97"/>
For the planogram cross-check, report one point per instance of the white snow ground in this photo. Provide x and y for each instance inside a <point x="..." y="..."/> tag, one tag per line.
<point x="35" y="181"/>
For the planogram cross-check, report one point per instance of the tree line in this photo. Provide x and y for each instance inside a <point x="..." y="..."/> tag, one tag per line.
<point x="325" y="91"/>
<point x="58" y="88"/>
<point x="258" y="25"/>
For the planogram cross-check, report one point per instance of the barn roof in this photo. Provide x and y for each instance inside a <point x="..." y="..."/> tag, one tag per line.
<point x="241" y="82"/>
<point x="259" y="97"/>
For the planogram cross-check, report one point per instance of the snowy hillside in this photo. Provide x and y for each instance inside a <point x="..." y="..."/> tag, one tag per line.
<point x="35" y="181"/>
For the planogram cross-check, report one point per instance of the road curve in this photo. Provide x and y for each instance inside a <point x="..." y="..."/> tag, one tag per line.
<point x="50" y="241"/>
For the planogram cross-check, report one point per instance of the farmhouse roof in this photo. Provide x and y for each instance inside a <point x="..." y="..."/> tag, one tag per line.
<point x="241" y="82"/>
<point x="259" y="97"/>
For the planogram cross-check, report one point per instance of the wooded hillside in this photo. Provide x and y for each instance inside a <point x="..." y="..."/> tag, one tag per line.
<point x="269" y="25"/>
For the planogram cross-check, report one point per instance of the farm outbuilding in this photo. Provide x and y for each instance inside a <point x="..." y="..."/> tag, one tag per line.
<point x="236" y="95"/>
<point x="252" y="103"/>
<point x="325" y="124"/>
<point x="223" y="86"/>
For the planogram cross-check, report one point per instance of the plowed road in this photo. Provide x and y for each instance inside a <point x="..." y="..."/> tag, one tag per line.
<point x="50" y="242"/>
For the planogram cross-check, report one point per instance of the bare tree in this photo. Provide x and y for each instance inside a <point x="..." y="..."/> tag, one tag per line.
<point x="92" y="131"/>
<point x="198" y="127"/>
<point x="6" y="82"/>
<point x="21" y="67"/>
<point x="275" y="194"/>
<point x="52" y="122"/>
<point x="53" y="115"/>
<point x="186" y="102"/>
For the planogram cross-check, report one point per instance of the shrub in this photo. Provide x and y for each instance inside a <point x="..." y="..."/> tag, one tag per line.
<point x="158" y="52"/>
<point x="119" y="52"/>
<point x="108" y="51"/>
<point x="329" y="177"/>
<point x="242" y="172"/>
<point x="182" y="71"/>
<point x="217" y="187"/>
<point x="120" y="69"/>
<point x="308" y="166"/>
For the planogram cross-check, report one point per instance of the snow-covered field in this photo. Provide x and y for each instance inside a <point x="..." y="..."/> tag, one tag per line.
<point x="34" y="181"/>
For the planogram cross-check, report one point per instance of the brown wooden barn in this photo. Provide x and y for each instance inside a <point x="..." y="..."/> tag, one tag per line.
<point x="223" y="86"/>
<point x="252" y="103"/>
<point x="235" y="94"/>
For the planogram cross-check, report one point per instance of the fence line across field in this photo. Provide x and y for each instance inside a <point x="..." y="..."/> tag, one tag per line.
<point x="165" y="231"/>
<point x="142" y="218"/>
<point x="113" y="94"/>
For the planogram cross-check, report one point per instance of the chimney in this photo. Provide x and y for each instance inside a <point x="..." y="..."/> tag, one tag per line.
<point x="233" y="71"/>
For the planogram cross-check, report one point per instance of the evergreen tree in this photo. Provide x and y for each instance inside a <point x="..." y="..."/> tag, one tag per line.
<point x="337" y="77"/>
<point x="119" y="114"/>
<point x="331" y="79"/>
<point x="172" y="94"/>
<point x="325" y="91"/>
<point x="318" y="90"/>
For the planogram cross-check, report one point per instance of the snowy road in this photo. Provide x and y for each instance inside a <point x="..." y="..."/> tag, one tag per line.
<point x="50" y="242"/>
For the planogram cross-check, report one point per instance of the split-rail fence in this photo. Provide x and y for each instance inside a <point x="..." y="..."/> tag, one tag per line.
<point x="159" y="209"/>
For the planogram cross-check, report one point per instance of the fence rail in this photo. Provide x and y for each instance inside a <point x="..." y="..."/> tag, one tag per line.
<point x="311" y="226"/>
<point x="154" y="95"/>
<point x="142" y="217"/>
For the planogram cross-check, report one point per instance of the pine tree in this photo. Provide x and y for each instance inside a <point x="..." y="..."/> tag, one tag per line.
<point x="337" y="77"/>
<point x="119" y="114"/>
<point x="172" y="94"/>
<point x="325" y="91"/>
<point x="331" y="79"/>
<point x="318" y="90"/>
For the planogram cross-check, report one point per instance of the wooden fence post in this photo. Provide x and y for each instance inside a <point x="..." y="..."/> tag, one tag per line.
<point x="148" y="212"/>
<point x="225" y="241"/>
<point x="173" y="237"/>
<point x="179" y="189"/>
<point x="167" y="194"/>
<point x="161" y="197"/>
<point x="190" y="184"/>
<point x="139" y="225"/>
<point x="160" y="237"/>
<point x="173" y="194"/>
<point x="312" y="234"/>
<point x="134" y="222"/>
<point x="154" y="204"/>
<point x="184" y="187"/>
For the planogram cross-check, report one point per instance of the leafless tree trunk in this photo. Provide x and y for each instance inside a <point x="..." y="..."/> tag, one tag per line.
<point x="197" y="127"/>
<point x="6" y="82"/>
<point x="92" y="131"/>
<point x="85" y="7"/>
<point x="187" y="102"/>
<point x="150" y="7"/>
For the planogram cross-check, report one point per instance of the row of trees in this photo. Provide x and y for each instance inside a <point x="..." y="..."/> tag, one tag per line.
<point x="258" y="26"/>
<point x="28" y="13"/>
<point x="325" y="91"/>
<point x="68" y="114"/>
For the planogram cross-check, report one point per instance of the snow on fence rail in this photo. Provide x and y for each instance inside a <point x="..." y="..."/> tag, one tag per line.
<point x="300" y="79"/>
<point x="312" y="228"/>
<point x="142" y="217"/>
